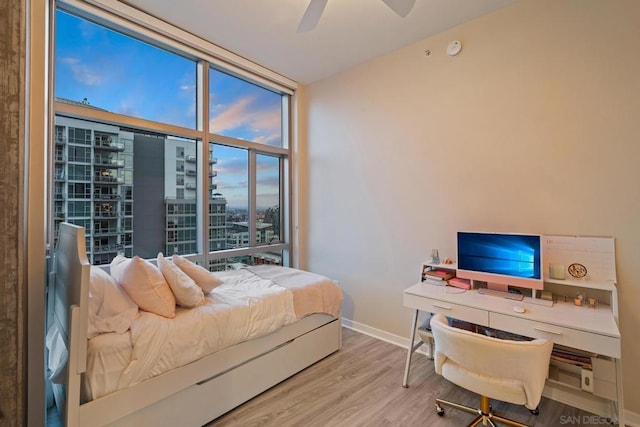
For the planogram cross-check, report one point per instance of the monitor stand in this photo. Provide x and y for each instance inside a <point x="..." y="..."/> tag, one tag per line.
<point x="498" y="287"/>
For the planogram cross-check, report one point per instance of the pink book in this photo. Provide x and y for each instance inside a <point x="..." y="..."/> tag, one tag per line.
<point x="460" y="283"/>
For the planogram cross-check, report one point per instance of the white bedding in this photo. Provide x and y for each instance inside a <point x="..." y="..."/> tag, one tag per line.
<point x="246" y="306"/>
<point x="312" y="293"/>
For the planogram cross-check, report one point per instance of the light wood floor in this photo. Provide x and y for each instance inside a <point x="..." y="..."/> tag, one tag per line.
<point x="360" y="385"/>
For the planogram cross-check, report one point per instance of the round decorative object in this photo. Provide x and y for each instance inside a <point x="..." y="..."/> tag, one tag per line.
<point x="577" y="270"/>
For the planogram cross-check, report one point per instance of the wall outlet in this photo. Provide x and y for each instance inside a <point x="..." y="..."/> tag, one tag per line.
<point x="587" y="380"/>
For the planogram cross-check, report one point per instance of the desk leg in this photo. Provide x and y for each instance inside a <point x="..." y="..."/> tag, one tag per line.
<point x="411" y="349"/>
<point x="619" y="396"/>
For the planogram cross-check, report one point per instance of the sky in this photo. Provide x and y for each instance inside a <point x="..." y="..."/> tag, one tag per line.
<point x="126" y="76"/>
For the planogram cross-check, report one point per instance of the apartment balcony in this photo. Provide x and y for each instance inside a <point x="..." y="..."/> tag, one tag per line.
<point x="79" y="215"/>
<point x="60" y="158"/>
<point x="73" y="195"/>
<point x="83" y="159"/>
<point x="108" y="144"/>
<point x="59" y="196"/>
<point x="111" y="163"/>
<point x="191" y="172"/>
<point x="80" y="178"/>
<point x="106" y="216"/>
<point x="191" y="159"/>
<point x="213" y="174"/>
<point x="102" y="249"/>
<point x="108" y="197"/>
<point x="191" y="186"/>
<point x="60" y="140"/>
<point x="213" y="160"/>
<point x="108" y="179"/>
<point x="60" y="176"/>
<point x="101" y="232"/>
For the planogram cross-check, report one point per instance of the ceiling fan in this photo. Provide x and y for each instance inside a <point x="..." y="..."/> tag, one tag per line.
<point x="314" y="11"/>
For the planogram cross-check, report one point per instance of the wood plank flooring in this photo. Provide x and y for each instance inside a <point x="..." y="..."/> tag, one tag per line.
<point x="360" y="385"/>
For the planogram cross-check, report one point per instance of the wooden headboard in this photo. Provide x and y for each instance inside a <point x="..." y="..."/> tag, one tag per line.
<point x="71" y="310"/>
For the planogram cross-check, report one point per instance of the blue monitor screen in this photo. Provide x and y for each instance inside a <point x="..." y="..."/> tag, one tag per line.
<point x="507" y="254"/>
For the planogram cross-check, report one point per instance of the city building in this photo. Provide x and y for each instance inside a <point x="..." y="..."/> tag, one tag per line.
<point x="93" y="185"/>
<point x="96" y="166"/>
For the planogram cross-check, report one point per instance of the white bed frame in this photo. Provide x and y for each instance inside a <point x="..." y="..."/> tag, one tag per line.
<point x="188" y="396"/>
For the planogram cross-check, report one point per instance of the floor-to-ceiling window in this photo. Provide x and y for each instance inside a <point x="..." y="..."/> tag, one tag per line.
<point x="160" y="149"/>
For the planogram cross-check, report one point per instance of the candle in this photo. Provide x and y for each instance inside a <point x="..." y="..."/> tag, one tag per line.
<point x="556" y="271"/>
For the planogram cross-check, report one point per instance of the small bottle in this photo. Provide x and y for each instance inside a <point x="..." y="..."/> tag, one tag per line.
<point x="435" y="256"/>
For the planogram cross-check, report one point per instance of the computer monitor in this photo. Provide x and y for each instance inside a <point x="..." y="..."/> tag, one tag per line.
<point x="501" y="259"/>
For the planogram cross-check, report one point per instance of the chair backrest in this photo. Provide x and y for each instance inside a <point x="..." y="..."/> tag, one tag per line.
<point x="495" y="361"/>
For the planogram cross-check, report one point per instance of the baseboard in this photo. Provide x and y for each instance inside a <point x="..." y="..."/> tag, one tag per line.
<point x="379" y="334"/>
<point x="631" y="418"/>
<point x="578" y="399"/>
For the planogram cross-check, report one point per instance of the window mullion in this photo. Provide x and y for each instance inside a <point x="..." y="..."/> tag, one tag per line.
<point x="202" y="106"/>
<point x="252" y="199"/>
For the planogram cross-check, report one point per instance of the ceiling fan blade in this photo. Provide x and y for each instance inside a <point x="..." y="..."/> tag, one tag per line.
<point x="401" y="7"/>
<point x="311" y="15"/>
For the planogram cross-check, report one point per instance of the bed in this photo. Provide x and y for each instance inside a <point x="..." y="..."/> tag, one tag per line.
<point x="197" y="391"/>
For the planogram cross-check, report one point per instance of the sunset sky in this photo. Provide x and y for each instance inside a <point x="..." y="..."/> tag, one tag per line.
<point x="123" y="75"/>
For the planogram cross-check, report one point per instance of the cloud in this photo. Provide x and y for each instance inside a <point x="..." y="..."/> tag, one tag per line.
<point x="266" y="122"/>
<point x="267" y="140"/>
<point x="82" y="73"/>
<point x="232" y="116"/>
<point x="240" y="185"/>
<point x="271" y="181"/>
<point x="232" y="166"/>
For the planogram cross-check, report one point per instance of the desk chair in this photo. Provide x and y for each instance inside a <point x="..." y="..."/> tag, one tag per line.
<point x="511" y="371"/>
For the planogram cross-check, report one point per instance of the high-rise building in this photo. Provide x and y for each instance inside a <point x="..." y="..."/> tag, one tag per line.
<point x="96" y="167"/>
<point x="93" y="185"/>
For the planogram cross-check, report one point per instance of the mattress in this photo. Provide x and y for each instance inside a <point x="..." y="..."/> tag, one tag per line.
<point x="251" y="302"/>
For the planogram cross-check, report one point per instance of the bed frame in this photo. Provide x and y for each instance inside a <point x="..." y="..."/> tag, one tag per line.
<point x="193" y="394"/>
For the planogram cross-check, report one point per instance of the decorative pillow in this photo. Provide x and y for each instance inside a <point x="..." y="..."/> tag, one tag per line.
<point x="145" y="285"/>
<point x="187" y="293"/>
<point x="110" y="309"/>
<point x="203" y="277"/>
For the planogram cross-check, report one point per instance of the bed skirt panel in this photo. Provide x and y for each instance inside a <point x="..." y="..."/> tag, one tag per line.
<point x="228" y="386"/>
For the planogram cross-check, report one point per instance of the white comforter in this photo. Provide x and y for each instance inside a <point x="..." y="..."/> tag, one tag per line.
<point x="244" y="307"/>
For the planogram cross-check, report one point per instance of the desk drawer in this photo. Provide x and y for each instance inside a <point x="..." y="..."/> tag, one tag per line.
<point x="462" y="312"/>
<point x="582" y="340"/>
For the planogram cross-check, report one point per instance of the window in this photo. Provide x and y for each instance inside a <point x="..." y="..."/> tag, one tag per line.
<point x="242" y="110"/>
<point x="101" y="68"/>
<point x="131" y="165"/>
<point x="229" y="201"/>
<point x="268" y="198"/>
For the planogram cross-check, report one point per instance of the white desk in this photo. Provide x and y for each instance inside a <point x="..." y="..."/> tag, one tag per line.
<point x="593" y="330"/>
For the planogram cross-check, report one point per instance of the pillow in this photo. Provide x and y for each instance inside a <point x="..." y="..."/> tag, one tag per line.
<point x="145" y="285"/>
<point x="110" y="309"/>
<point x="203" y="277"/>
<point x="187" y="293"/>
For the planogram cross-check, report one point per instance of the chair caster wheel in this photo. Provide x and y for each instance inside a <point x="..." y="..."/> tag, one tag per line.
<point x="439" y="410"/>
<point x="535" y="411"/>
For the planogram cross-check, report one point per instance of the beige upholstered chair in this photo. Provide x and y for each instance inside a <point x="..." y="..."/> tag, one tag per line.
<point x="510" y="371"/>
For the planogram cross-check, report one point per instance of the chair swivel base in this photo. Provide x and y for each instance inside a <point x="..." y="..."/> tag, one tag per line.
<point x="485" y="414"/>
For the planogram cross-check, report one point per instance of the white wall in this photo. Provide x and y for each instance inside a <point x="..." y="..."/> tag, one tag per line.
<point x="532" y="128"/>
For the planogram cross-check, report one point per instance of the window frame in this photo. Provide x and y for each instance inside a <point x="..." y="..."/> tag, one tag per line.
<point x="125" y="20"/>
